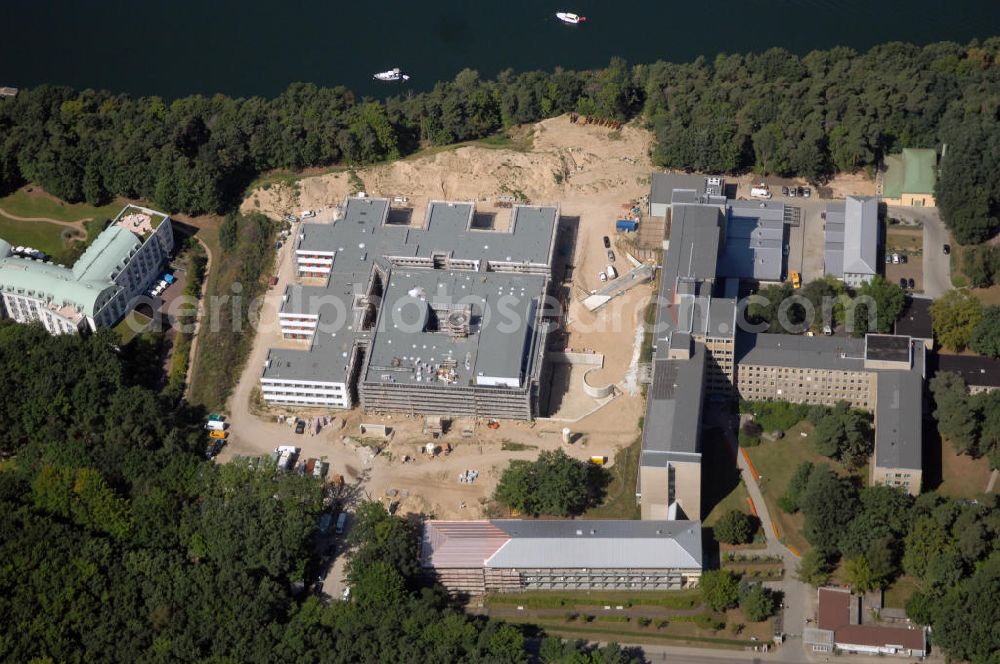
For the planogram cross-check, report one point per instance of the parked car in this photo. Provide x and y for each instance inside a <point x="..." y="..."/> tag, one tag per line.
<point x="902" y="259"/>
<point x="791" y="192"/>
<point x="221" y="435"/>
<point x="300" y="427"/>
<point x="946" y="249"/>
<point x="902" y="282"/>
<point x="603" y="277"/>
<point x="912" y="284"/>
<point x="807" y="192"/>
<point x="607" y="242"/>
<point x="784" y="190"/>
<point x="215" y="417"/>
<point x="888" y="258"/>
<point x="611" y="256"/>
<point x="895" y="258"/>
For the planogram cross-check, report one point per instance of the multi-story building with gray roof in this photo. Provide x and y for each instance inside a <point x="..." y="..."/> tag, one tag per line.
<point x="509" y="555"/>
<point x="440" y="319"/>
<point x="713" y="245"/>
<point x="103" y="284"/>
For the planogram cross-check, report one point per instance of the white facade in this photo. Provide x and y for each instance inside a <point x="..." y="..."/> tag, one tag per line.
<point x="25" y="309"/>
<point x="305" y="392"/>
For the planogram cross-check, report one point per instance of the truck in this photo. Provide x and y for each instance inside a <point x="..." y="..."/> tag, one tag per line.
<point x="611" y="272"/>
<point x="286" y="456"/>
<point x="341" y="523"/>
<point x="760" y="191"/>
<point x="220" y="435"/>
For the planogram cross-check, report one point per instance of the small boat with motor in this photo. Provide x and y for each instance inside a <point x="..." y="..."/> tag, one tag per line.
<point x="393" y="74"/>
<point x="571" y="19"/>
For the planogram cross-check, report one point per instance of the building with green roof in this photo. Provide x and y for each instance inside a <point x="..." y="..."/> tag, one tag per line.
<point x="910" y="177"/>
<point x="99" y="288"/>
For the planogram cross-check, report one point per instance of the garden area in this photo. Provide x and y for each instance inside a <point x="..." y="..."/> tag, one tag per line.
<point x="677" y="618"/>
<point x="32" y="218"/>
<point x="776" y="458"/>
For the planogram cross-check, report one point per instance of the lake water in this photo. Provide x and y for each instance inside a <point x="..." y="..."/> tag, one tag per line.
<point x="179" y="47"/>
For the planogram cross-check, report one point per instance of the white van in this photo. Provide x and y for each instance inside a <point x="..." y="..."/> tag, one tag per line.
<point x="341" y="522"/>
<point x="212" y="425"/>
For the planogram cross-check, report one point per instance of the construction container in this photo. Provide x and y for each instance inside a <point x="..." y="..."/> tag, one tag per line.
<point x="627" y="225"/>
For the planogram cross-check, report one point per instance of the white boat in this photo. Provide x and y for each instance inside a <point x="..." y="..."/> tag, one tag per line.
<point x="392" y="75"/>
<point x="572" y="19"/>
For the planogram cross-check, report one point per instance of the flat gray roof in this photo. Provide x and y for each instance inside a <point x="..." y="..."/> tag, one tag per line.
<point x="546" y="544"/>
<point x="899" y="414"/>
<point x="672" y="426"/>
<point x="361" y="238"/>
<point x="663" y="185"/>
<point x="790" y="350"/>
<point x="503" y="309"/>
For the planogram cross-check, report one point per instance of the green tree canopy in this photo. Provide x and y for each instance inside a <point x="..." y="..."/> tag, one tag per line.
<point x="954" y="317"/>
<point x="734" y="527"/>
<point x="554" y="484"/>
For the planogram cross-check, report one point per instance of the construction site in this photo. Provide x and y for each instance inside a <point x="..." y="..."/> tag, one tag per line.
<point x="432" y="378"/>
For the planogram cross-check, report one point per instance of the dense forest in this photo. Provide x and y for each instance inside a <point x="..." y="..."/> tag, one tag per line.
<point x="121" y="543"/>
<point x="773" y="112"/>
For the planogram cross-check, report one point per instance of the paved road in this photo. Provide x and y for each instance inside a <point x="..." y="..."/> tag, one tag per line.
<point x="936" y="266"/>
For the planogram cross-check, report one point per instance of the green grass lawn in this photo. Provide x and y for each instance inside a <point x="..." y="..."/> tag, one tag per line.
<point x="36" y="234"/>
<point x="776" y="463"/>
<point x="553" y="599"/>
<point x="37" y="203"/>
<point x="900" y="591"/>
<point x="619" y="502"/>
<point x="133" y="324"/>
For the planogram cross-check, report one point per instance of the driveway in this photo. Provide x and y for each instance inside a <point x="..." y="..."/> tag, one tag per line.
<point x="936" y="266"/>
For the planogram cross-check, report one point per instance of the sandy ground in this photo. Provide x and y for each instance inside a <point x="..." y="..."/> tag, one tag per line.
<point x="590" y="176"/>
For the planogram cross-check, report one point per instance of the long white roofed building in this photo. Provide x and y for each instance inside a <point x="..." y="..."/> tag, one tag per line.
<point x="511" y="555"/>
<point x="101" y="286"/>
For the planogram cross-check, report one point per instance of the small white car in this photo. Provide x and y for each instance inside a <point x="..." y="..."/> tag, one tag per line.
<point x="603" y="277"/>
<point x="895" y="258"/>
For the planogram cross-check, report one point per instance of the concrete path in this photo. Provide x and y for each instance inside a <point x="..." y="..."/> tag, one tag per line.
<point x="993" y="481"/>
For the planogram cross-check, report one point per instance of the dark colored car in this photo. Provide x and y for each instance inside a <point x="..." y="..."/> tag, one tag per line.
<point x="607" y="242"/>
<point x="902" y="282"/>
<point x="784" y="191"/>
<point x="902" y="259"/>
<point x="300" y="426"/>
<point x="946" y="249"/>
<point x="611" y="256"/>
<point x="911" y="283"/>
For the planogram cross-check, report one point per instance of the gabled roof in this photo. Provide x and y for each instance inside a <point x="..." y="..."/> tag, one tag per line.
<point x="514" y="543"/>
<point x="861" y="235"/>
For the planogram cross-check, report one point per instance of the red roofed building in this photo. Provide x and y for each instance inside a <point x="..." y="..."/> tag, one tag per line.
<point x="839" y="627"/>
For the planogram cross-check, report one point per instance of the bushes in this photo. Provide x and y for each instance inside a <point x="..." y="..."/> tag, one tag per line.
<point x="735" y="527"/>
<point x="555" y="484"/>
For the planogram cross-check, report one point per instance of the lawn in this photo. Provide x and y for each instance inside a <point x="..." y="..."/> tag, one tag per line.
<point x="722" y="487"/>
<point x="32" y="201"/>
<point x="620" y="502"/>
<point x="776" y="463"/>
<point x="133" y="324"/>
<point x="900" y="591"/>
<point x="45" y="237"/>
<point x="906" y="240"/>
<point x="554" y="599"/>
<point x="961" y="475"/>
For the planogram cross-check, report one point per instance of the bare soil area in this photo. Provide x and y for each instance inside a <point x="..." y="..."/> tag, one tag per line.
<point x="590" y="172"/>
